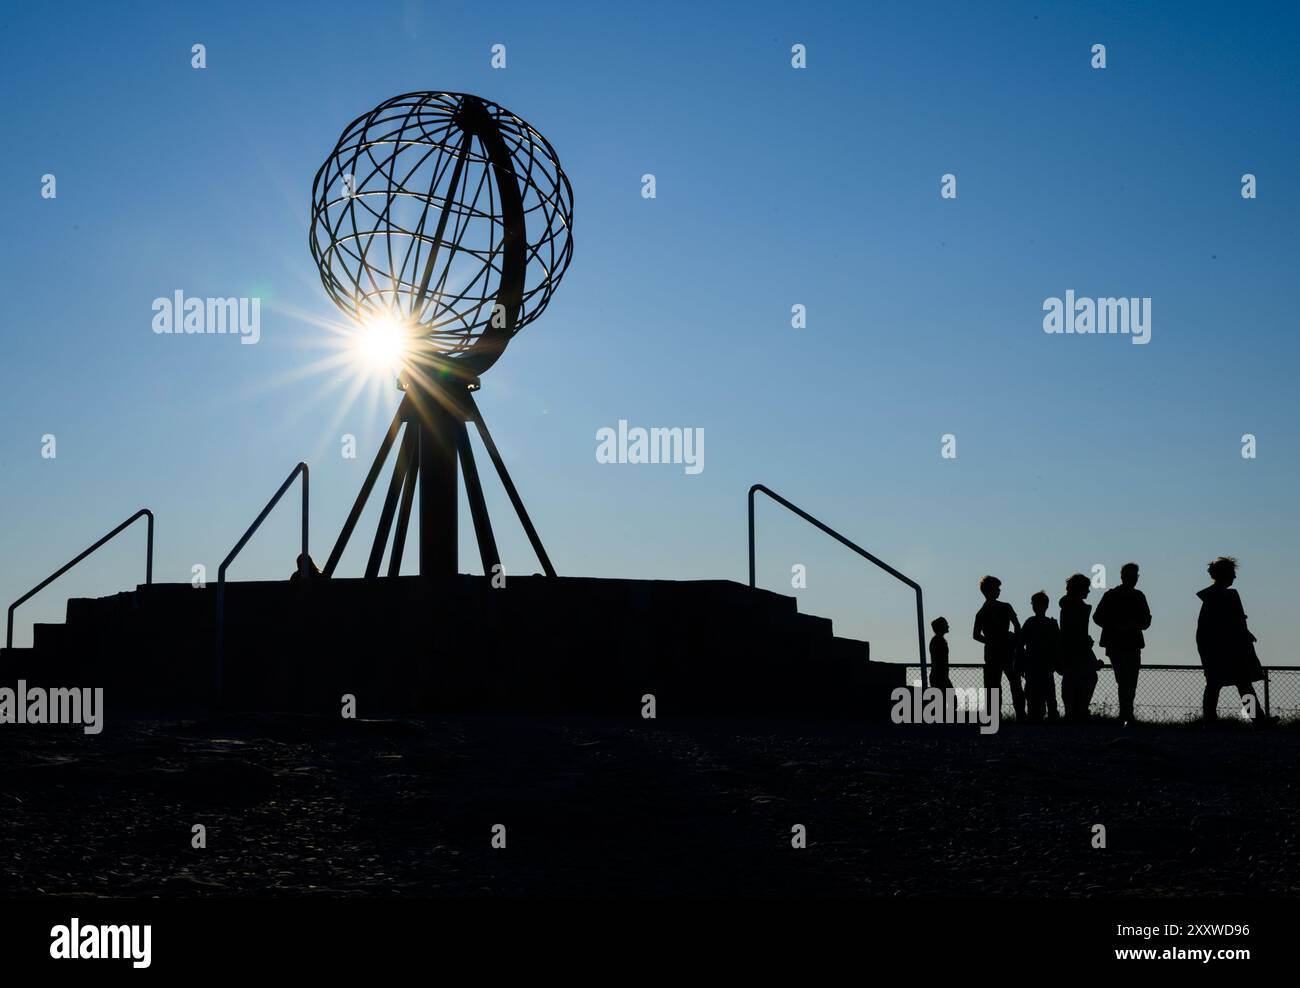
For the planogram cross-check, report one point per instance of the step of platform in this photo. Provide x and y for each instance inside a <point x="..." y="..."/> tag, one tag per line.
<point x="49" y="637"/>
<point x="408" y="644"/>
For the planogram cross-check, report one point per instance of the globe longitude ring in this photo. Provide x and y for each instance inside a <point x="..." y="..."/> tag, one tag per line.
<point x="444" y="222"/>
<point x="448" y="215"/>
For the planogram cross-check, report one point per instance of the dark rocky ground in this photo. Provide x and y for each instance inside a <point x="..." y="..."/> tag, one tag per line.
<point x="299" y="806"/>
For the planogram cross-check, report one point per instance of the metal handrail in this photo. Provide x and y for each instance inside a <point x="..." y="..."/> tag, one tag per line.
<point x="920" y="608"/>
<point x="148" y="568"/>
<point x="303" y="562"/>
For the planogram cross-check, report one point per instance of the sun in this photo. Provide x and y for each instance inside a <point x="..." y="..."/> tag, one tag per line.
<point x="382" y="344"/>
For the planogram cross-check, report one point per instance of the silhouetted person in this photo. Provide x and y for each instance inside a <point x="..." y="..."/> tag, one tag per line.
<point x="1226" y="646"/>
<point x="312" y="571"/>
<point x="1040" y="640"/>
<point x="996" y="627"/>
<point x="939" y="655"/>
<point x="1123" y="614"/>
<point x="1078" y="661"/>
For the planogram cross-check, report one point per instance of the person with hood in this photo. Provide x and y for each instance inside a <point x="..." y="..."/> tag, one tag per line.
<point x="1226" y="646"/>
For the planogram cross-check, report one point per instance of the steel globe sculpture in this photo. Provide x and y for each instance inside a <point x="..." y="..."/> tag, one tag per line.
<point x="448" y="217"/>
<point x="448" y="214"/>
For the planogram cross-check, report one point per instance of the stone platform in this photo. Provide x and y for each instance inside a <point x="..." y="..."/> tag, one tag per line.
<point x="406" y="644"/>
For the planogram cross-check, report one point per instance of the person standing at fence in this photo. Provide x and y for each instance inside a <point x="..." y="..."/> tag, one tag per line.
<point x="1041" y="654"/>
<point x="1123" y="614"/>
<point x="996" y="628"/>
<point x="1226" y="646"/>
<point x="1078" y="661"/>
<point x="939" y="677"/>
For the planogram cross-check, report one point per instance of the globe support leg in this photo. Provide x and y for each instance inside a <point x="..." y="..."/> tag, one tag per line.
<point x="434" y="450"/>
<point x="404" y="512"/>
<point x="477" y="417"/>
<point x="403" y="411"/>
<point x="487" y="544"/>
<point x="401" y="470"/>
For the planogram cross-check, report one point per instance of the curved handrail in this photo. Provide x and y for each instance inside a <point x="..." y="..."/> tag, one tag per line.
<point x="148" y="570"/>
<point x="920" y="608"/>
<point x="303" y="562"/>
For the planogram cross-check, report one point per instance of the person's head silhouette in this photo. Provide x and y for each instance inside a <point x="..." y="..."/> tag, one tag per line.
<point x="1078" y="586"/>
<point x="1039" y="602"/>
<point x="1223" y="570"/>
<point x="1128" y="575"/>
<point x="990" y="587"/>
<point x="940" y="625"/>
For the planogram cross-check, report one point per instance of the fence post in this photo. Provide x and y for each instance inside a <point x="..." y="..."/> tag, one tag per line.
<point x="1267" y="712"/>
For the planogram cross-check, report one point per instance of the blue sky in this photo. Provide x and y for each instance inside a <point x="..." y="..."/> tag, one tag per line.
<point x="775" y="187"/>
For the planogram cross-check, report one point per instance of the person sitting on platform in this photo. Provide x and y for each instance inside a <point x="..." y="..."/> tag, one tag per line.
<point x="312" y="571"/>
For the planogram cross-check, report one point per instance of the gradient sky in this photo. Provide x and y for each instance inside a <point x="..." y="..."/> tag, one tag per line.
<point x="775" y="187"/>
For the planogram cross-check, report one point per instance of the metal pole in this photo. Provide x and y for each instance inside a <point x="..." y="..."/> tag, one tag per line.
<point x="305" y="566"/>
<point x="509" y="485"/>
<point x="487" y="544"/>
<point x="220" y="636"/>
<point x="395" y="486"/>
<point x="412" y="443"/>
<point x="751" y="537"/>
<point x="403" y="410"/>
<point x="439" y="501"/>
<point x="920" y="640"/>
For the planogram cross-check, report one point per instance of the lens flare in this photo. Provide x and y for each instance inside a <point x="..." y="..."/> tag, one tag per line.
<point x="382" y="344"/>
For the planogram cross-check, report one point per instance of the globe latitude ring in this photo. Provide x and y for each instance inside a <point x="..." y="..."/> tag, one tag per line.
<point x="448" y="213"/>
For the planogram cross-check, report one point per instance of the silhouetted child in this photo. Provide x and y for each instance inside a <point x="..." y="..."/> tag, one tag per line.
<point x="1041" y="656"/>
<point x="939" y="655"/>
<point x="996" y="627"/>
<point x="1079" y="663"/>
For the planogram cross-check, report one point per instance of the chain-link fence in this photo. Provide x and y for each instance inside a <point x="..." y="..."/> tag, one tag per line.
<point x="1164" y="693"/>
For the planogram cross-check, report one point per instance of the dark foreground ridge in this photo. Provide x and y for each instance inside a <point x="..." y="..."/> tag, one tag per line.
<point x="297" y="805"/>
